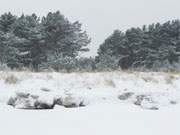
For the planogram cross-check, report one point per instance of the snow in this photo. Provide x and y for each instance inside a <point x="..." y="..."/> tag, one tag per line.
<point x="104" y="114"/>
<point x="103" y="119"/>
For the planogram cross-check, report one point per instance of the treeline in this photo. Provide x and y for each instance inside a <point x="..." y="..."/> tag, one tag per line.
<point x="53" y="42"/>
<point x="153" y="47"/>
<point x="31" y="41"/>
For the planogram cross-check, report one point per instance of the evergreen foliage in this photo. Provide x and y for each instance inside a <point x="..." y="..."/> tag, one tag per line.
<point x="53" y="42"/>
<point x="153" y="47"/>
<point x="29" y="41"/>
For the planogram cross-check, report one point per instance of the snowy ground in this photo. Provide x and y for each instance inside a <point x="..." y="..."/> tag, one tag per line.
<point x="105" y="113"/>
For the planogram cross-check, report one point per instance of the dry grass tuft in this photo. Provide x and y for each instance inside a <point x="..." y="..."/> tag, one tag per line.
<point x="11" y="79"/>
<point x="49" y="76"/>
<point x="170" y="78"/>
<point x="149" y="79"/>
<point x="110" y="82"/>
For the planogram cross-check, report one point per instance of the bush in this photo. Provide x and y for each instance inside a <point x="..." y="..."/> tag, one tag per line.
<point x="107" y="63"/>
<point x="85" y="64"/>
<point x="58" y="63"/>
<point x="67" y="64"/>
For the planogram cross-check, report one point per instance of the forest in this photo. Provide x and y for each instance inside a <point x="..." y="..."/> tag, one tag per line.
<point x="52" y="42"/>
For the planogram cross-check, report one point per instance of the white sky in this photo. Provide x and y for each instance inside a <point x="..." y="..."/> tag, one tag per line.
<point x="100" y="17"/>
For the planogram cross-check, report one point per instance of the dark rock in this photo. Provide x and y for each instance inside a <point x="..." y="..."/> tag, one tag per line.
<point x="43" y="105"/>
<point x="34" y="96"/>
<point x="125" y="96"/>
<point x="140" y="98"/>
<point x="173" y="102"/>
<point x="153" y="108"/>
<point x="146" y="102"/>
<point x="12" y="101"/>
<point x="58" y="101"/>
<point x="45" y="89"/>
<point x="22" y="95"/>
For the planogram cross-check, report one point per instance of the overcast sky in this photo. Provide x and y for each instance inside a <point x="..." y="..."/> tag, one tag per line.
<point x="100" y="17"/>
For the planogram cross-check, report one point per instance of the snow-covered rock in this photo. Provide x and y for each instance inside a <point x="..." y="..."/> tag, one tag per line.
<point x="23" y="100"/>
<point x="58" y="100"/>
<point x="43" y="90"/>
<point x="146" y="102"/>
<point x="71" y="101"/>
<point x="125" y="96"/>
<point x="28" y="101"/>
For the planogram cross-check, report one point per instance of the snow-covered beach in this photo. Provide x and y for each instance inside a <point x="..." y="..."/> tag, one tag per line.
<point x="115" y="103"/>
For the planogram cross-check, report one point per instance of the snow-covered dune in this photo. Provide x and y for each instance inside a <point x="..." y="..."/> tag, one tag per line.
<point x="127" y="103"/>
<point x="95" y="87"/>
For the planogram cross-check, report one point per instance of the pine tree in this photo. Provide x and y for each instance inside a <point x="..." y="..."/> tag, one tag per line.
<point x="6" y="22"/>
<point x="28" y="28"/>
<point x="114" y="46"/>
<point x="63" y="36"/>
<point x="9" y="53"/>
<point x="153" y="46"/>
